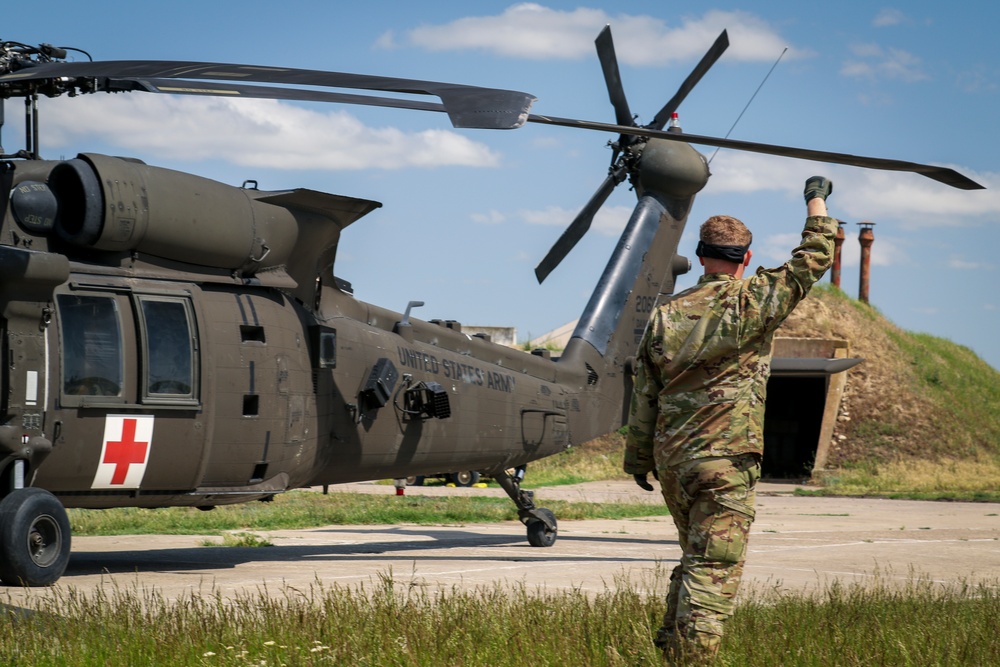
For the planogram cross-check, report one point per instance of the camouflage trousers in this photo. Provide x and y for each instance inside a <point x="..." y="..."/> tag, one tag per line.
<point x="712" y="504"/>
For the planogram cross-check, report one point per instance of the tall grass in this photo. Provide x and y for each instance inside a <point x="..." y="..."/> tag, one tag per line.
<point x="919" y="623"/>
<point x="390" y="623"/>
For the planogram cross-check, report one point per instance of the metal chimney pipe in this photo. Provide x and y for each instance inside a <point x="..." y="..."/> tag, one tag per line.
<point x="838" y="241"/>
<point x="866" y="237"/>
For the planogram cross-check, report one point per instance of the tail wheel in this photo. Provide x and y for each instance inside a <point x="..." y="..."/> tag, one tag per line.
<point x="464" y="477"/>
<point x="539" y="532"/>
<point x="34" y="538"/>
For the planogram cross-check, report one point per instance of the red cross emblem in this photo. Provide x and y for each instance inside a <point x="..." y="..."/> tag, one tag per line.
<point x="123" y="453"/>
<point x="127" y="441"/>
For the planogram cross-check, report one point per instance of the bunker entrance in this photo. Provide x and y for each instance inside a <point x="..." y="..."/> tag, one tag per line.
<point x="792" y="424"/>
<point x="803" y="399"/>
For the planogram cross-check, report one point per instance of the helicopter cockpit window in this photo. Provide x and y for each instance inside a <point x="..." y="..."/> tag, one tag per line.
<point x="92" y="345"/>
<point x="169" y="354"/>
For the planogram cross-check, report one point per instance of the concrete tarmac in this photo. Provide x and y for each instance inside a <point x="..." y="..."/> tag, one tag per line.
<point x="797" y="543"/>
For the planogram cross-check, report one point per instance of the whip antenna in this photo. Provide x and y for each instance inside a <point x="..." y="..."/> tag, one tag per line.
<point x="750" y="101"/>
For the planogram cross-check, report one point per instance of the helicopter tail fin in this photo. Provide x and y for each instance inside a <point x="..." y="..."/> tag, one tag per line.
<point x="642" y="268"/>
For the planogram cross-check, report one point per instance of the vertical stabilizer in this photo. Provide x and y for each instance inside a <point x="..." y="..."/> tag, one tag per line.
<point x="642" y="267"/>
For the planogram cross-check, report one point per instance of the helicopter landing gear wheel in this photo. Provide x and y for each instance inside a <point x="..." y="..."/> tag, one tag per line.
<point x="464" y="478"/>
<point x="540" y="522"/>
<point x="34" y="538"/>
<point x="540" y="534"/>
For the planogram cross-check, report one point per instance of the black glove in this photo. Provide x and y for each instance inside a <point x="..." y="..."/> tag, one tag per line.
<point x="643" y="482"/>
<point x="818" y="186"/>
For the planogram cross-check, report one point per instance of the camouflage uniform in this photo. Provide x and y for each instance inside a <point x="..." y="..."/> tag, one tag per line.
<point x="697" y="417"/>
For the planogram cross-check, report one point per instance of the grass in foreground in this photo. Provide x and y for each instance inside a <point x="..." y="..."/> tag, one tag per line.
<point x="389" y="623"/>
<point x="307" y="509"/>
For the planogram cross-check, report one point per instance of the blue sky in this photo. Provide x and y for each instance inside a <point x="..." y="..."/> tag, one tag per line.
<point x="468" y="213"/>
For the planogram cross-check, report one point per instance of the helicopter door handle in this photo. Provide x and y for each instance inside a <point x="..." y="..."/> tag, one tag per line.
<point x="267" y="251"/>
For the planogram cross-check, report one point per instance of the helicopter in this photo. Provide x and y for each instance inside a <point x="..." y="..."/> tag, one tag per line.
<point x="171" y="340"/>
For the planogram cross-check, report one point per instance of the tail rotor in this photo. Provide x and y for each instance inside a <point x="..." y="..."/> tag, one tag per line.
<point x="628" y="148"/>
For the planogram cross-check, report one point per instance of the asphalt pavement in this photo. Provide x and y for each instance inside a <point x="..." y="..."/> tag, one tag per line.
<point x="797" y="543"/>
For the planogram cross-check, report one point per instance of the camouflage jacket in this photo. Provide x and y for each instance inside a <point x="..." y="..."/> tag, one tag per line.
<point x="705" y="358"/>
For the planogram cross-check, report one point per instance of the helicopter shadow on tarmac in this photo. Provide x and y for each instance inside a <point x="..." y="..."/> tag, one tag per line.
<point x="414" y="546"/>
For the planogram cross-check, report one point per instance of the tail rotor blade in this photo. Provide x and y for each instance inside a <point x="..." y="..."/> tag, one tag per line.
<point x="713" y="54"/>
<point x="623" y="116"/>
<point x="581" y="223"/>
<point x="612" y="77"/>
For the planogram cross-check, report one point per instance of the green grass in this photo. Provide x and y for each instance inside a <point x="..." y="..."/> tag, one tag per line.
<point x="599" y="459"/>
<point x="972" y="479"/>
<point x="964" y="388"/>
<point x="389" y="623"/>
<point x="306" y="509"/>
<point x="917" y="623"/>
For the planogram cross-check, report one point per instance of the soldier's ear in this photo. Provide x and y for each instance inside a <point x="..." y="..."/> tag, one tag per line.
<point x="746" y="257"/>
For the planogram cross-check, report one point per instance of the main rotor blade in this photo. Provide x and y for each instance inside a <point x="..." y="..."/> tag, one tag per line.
<point x="236" y="90"/>
<point x="940" y="174"/>
<point x="467" y="106"/>
<point x="707" y="60"/>
<point x="612" y="77"/>
<point x="581" y="223"/>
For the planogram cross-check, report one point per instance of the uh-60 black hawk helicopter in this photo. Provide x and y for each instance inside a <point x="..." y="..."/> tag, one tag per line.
<point x="169" y="340"/>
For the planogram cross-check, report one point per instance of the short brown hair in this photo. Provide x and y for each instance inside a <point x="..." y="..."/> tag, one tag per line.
<point x="725" y="230"/>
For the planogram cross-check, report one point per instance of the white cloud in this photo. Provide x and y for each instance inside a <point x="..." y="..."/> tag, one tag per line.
<point x="886" y="251"/>
<point x="491" y="217"/>
<point x="776" y="249"/>
<point x="873" y="62"/>
<point x="609" y="220"/>
<point x="737" y="171"/>
<point x="979" y="79"/>
<point x="916" y="202"/>
<point x="865" y="50"/>
<point x="960" y="264"/>
<point x="387" y="40"/>
<point x="533" y="31"/>
<point x="261" y="133"/>
<point x="911" y="200"/>
<point x="888" y="17"/>
<point x="553" y="215"/>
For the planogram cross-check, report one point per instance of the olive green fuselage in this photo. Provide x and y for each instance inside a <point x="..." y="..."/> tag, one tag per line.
<point x="176" y="341"/>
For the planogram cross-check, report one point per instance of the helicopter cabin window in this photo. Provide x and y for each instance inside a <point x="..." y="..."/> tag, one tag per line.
<point x="325" y="344"/>
<point x="169" y="351"/>
<point x="92" y="345"/>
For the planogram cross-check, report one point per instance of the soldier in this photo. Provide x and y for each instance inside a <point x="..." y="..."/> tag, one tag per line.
<point x="697" y="412"/>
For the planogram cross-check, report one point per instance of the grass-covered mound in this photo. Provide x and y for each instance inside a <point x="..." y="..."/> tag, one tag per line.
<point x="920" y="416"/>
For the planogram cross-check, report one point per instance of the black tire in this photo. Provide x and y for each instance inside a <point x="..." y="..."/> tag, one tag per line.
<point x="540" y="535"/>
<point x="417" y="480"/>
<point x="34" y="538"/>
<point x="464" y="477"/>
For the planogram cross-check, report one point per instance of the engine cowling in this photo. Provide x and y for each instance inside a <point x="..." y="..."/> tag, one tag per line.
<point x="116" y="204"/>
